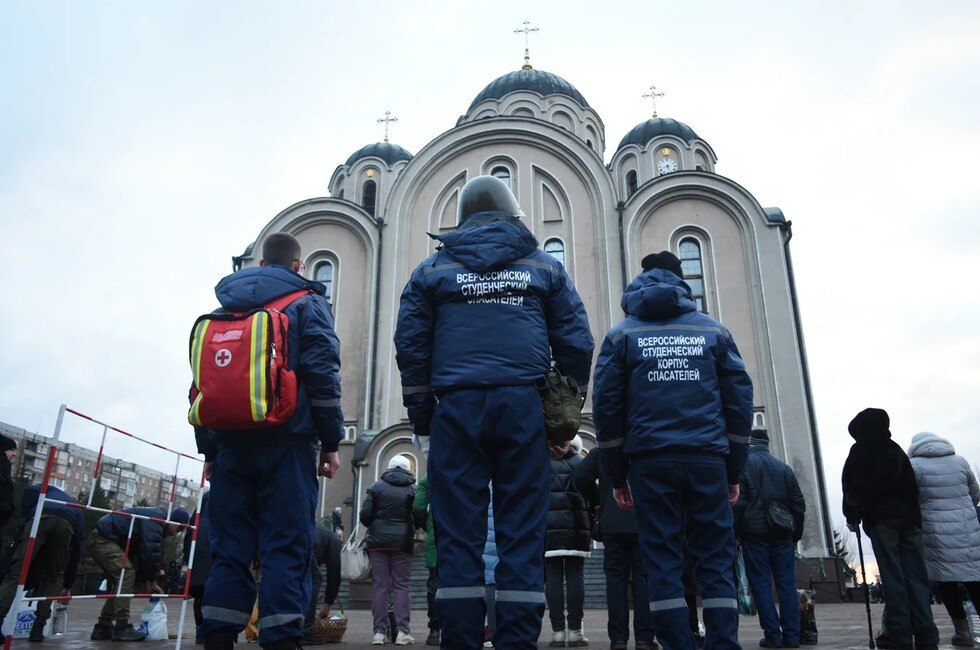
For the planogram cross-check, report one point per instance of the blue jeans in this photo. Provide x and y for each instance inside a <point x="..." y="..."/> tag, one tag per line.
<point x="479" y="435"/>
<point x="669" y="490"/>
<point x="263" y="504"/>
<point x="623" y="563"/>
<point x="898" y="550"/>
<point x="767" y="560"/>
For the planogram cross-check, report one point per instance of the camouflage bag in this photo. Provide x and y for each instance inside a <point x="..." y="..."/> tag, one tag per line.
<point x="562" y="403"/>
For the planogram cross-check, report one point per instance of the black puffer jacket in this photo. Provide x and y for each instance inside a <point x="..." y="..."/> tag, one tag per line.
<point x="879" y="482"/>
<point x="568" y="514"/>
<point x="613" y="520"/>
<point x="767" y="479"/>
<point x="146" y="549"/>
<point x="387" y="512"/>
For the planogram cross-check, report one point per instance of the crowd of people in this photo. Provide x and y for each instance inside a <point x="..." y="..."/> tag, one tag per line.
<point x="493" y="345"/>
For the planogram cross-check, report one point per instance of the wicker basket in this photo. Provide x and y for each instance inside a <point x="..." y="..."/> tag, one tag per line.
<point x="331" y="630"/>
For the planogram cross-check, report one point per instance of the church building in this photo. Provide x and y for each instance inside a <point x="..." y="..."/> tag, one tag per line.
<point x="596" y="207"/>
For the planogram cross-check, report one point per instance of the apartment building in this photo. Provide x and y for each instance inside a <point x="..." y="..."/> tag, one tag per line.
<point x="125" y="483"/>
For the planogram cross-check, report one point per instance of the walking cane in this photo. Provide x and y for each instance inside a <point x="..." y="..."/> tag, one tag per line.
<point x="867" y="595"/>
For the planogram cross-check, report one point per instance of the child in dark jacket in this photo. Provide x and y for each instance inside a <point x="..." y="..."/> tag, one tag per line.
<point x="880" y="490"/>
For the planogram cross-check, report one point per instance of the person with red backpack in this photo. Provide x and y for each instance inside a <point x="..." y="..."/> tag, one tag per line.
<point x="266" y="392"/>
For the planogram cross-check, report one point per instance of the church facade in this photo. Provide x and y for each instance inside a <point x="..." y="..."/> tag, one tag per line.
<point x="658" y="190"/>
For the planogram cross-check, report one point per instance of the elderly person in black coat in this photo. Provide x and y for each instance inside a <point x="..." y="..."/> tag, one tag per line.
<point x="567" y="543"/>
<point x="880" y="490"/>
<point x="390" y="541"/>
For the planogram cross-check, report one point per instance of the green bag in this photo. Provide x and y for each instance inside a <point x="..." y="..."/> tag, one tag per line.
<point x="562" y="403"/>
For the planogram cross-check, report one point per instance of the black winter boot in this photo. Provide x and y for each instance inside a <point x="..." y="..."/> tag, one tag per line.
<point x="37" y="631"/>
<point x="126" y="633"/>
<point x="101" y="632"/>
<point x="283" y="644"/>
<point x="220" y="641"/>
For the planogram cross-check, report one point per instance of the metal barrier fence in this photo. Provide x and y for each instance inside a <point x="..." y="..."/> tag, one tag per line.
<point x="192" y="527"/>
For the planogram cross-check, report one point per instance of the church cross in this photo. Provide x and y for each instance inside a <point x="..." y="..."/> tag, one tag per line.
<point x="387" y="119"/>
<point x="526" y="30"/>
<point x="652" y="96"/>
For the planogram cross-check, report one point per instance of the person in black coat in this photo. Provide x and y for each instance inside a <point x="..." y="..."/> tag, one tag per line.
<point x="880" y="490"/>
<point x="57" y="549"/>
<point x="769" y="522"/>
<point x="567" y="543"/>
<point x="622" y="559"/>
<point x="326" y="553"/>
<point x="390" y="541"/>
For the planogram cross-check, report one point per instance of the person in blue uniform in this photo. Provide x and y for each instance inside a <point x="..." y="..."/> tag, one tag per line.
<point x="264" y="481"/>
<point x="673" y="413"/>
<point x="481" y="320"/>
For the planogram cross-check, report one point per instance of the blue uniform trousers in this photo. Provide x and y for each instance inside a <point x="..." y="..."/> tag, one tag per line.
<point x="622" y="562"/>
<point x="263" y="505"/>
<point x="767" y="560"/>
<point x="479" y="435"/>
<point x="669" y="491"/>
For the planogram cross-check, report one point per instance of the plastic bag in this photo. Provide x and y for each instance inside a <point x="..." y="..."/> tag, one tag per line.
<point x="154" y="620"/>
<point x="746" y="604"/>
<point x="19" y="621"/>
<point x="354" y="562"/>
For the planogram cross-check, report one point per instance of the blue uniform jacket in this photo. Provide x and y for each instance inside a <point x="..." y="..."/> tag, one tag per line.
<point x="317" y="362"/>
<point x="487" y="309"/>
<point x="72" y="515"/>
<point x="669" y="379"/>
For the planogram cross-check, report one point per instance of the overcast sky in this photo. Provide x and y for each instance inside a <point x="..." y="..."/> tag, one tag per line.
<point x="143" y="144"/>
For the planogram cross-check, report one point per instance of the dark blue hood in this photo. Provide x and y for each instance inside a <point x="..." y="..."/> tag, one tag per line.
<point x="657" y="294"/>
<point x="258" y="285"/>
<point x="489" y="246"/>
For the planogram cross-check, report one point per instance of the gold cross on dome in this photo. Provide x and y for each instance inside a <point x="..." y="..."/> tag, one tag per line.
<point x="387" y="119"/>
<point x="526" y="30"/>
<point x="652" y="96"/>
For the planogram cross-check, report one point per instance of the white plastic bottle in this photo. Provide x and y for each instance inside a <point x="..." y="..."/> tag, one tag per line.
<point x="59" y="619"/>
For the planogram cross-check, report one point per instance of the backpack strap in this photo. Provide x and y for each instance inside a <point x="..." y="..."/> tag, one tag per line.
<point x="282" y="302"/>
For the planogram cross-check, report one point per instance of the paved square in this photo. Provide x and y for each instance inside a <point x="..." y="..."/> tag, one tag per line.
<point x="840" y="625"/>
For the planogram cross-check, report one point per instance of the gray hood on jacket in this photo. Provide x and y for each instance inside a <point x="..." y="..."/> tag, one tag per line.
<point x="929" y="445"/>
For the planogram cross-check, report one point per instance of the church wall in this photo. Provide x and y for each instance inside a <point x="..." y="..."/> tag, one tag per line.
<point x="351" y="301"/>
<point x="568" y="196"/>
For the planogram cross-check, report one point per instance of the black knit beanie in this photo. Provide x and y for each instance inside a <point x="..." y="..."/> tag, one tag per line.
<point x="6" y="444"/>
<point x="663" y="260"/>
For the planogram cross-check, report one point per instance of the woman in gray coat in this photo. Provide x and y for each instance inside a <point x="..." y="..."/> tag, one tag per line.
<point x="948" y="494"/>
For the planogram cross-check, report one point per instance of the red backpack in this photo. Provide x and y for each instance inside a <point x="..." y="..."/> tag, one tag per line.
<point x="242" y="378"/>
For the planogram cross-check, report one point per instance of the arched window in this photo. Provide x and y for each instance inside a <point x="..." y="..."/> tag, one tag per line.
<point x="368" y="196"/>
<point x="324" y="273"/>
<point x="556" y="249"/>
<point x="630" y="183"/>
<point x="692" y="267"/>
<point x="502" y="173"/>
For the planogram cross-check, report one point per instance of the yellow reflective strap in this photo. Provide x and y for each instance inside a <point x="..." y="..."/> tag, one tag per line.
<point x="197" y="344"/>
<point x="257" y="366"/>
